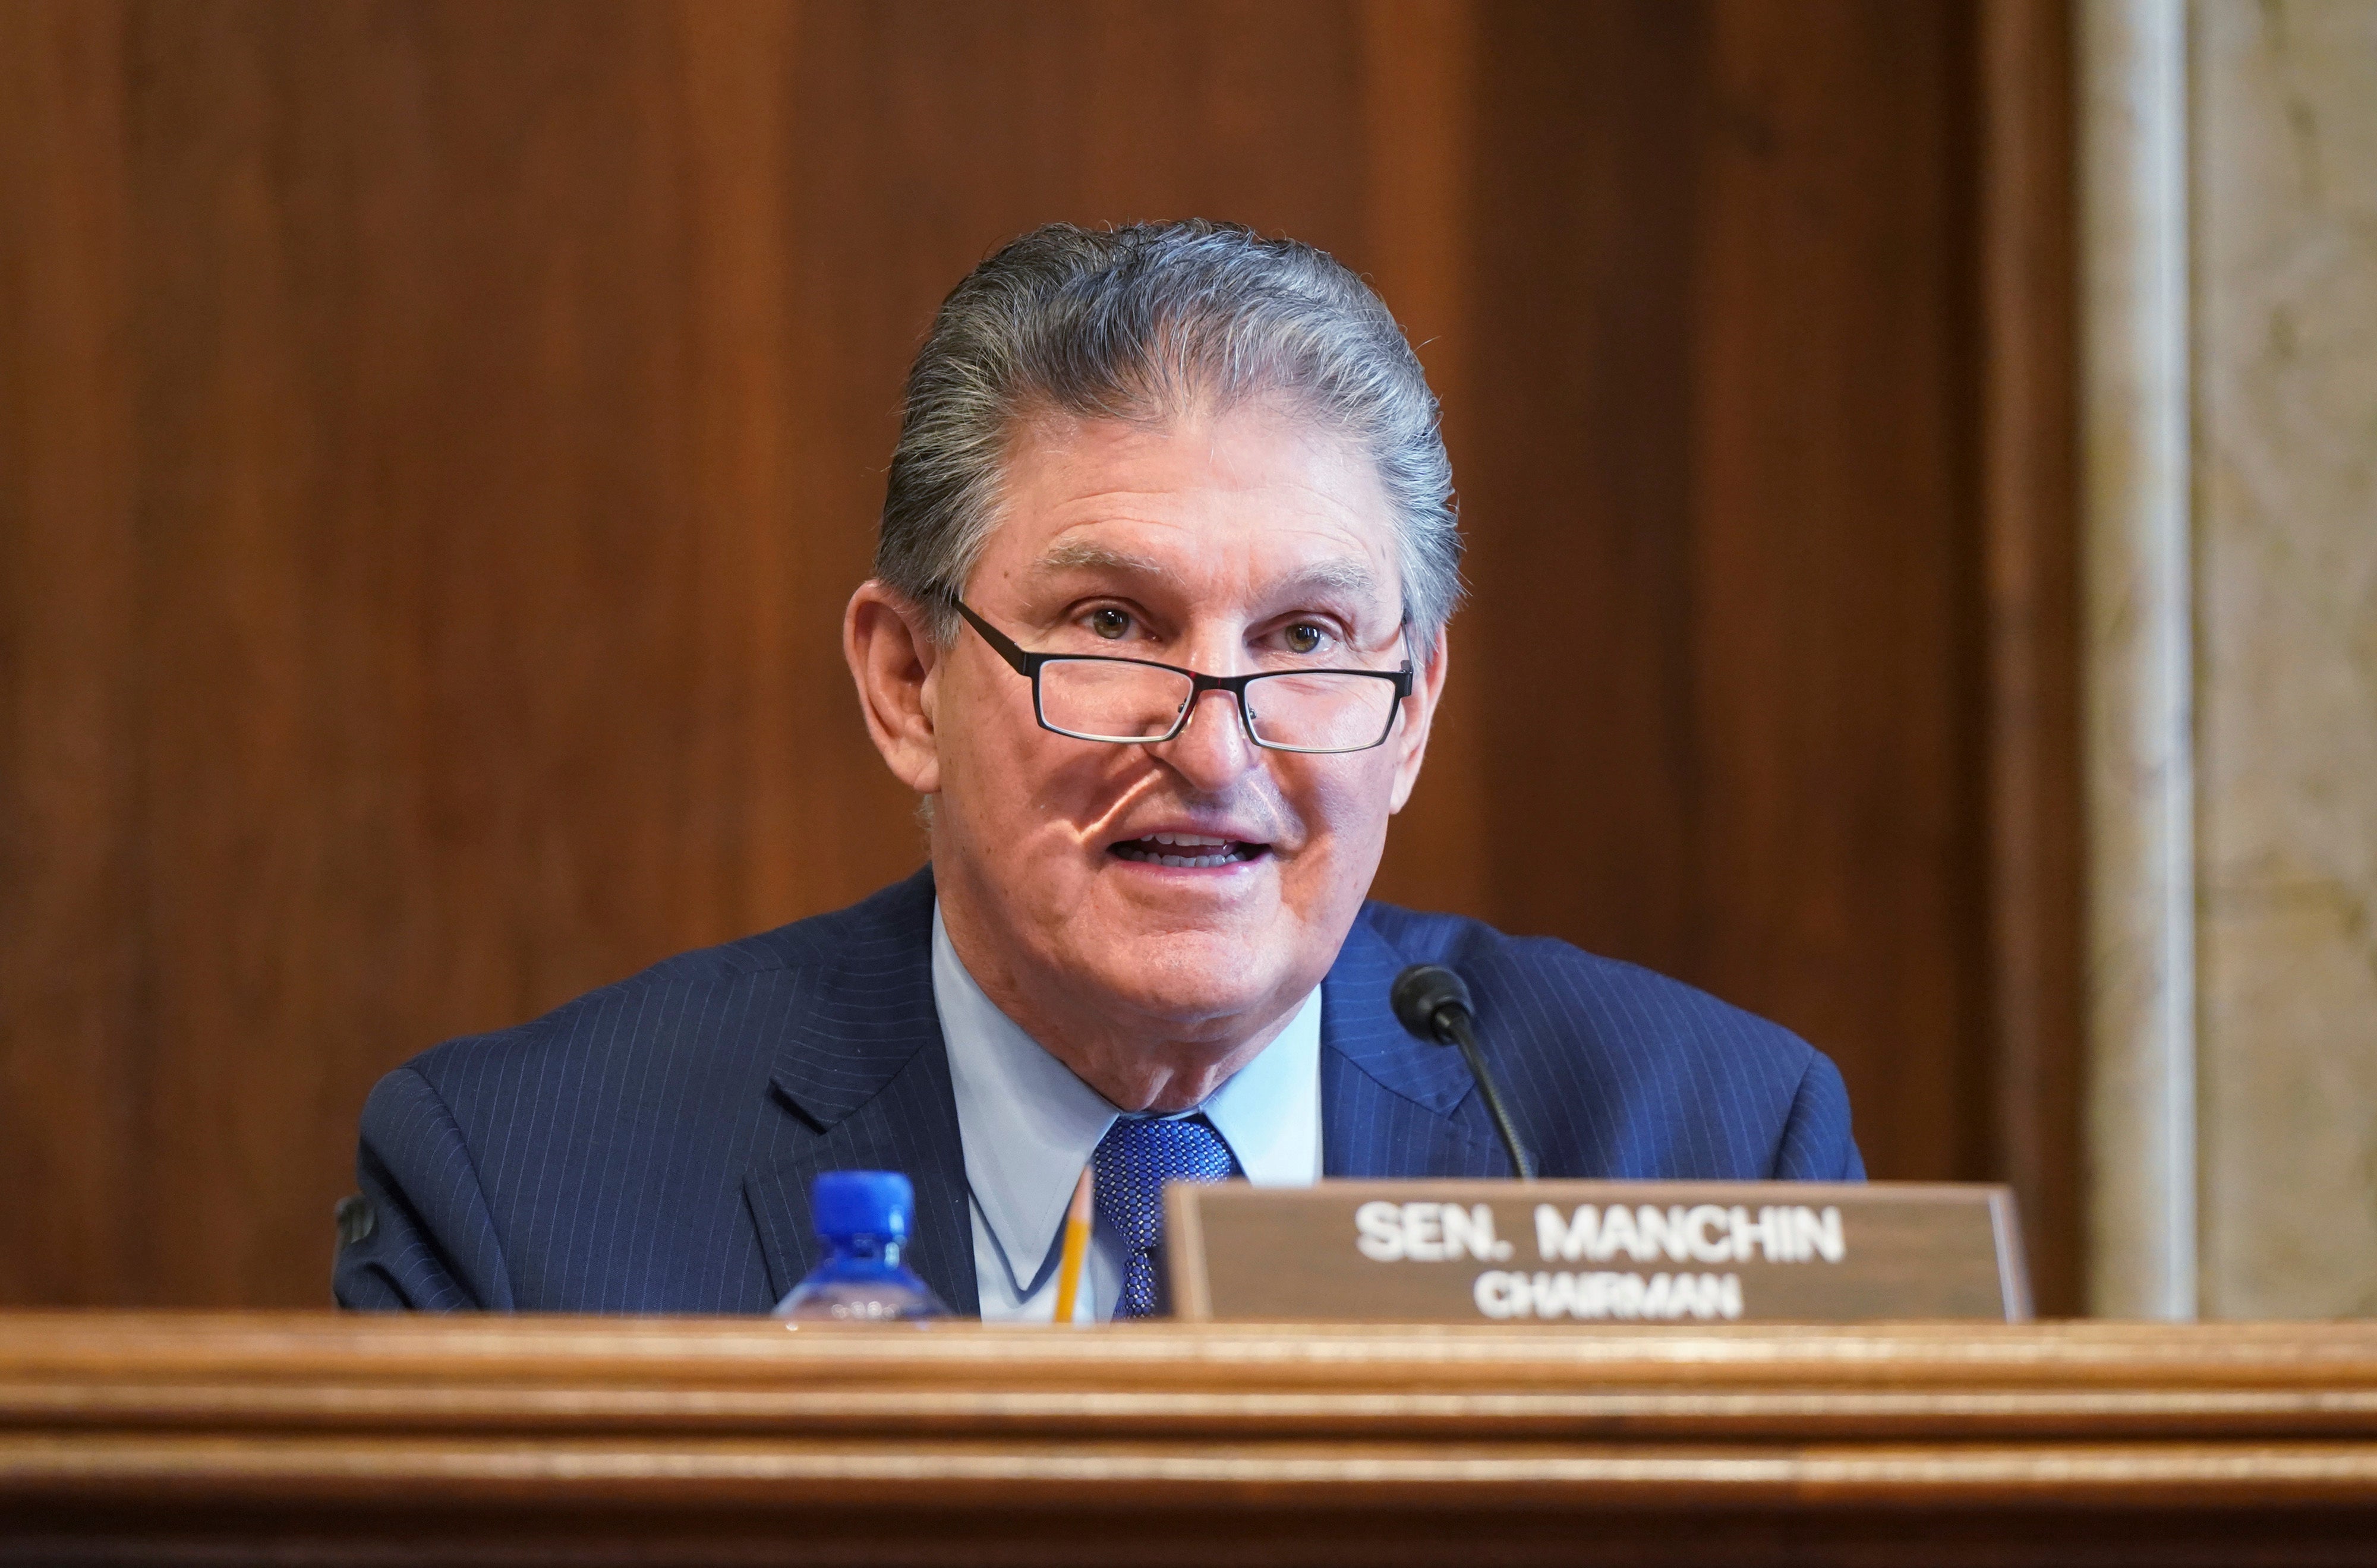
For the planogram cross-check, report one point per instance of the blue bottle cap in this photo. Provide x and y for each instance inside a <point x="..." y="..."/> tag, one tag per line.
<point x="862" y="1203"/>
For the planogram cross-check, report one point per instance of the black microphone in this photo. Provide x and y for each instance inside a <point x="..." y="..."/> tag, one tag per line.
<point x="1432" y="1003"/>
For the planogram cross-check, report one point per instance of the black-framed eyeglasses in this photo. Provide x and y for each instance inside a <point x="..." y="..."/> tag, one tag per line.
<point x="1135" y="702"/>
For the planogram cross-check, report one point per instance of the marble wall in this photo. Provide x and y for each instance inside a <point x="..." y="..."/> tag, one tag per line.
<point x="2284" y="219"/>
<point x="2135" y="420"/>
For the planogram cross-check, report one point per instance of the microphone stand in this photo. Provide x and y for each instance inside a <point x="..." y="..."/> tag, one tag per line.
<point x="1454" y="1021"/>
<point x="1432" y="1003"/>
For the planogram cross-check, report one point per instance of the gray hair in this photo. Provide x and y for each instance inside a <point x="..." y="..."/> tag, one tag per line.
<point x="1141" y="323"/>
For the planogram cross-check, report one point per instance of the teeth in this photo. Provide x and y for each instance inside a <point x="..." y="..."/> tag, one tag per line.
<point x="1187" y="840"/>
<point x="1138" y="852"/>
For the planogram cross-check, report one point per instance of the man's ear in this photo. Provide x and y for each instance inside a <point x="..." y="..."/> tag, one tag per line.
<point x="1427" y="687"/>
<point x="893" y="658"/>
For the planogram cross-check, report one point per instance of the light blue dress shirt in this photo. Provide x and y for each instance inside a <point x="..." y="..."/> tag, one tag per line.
<point x="1029" y="1126"/>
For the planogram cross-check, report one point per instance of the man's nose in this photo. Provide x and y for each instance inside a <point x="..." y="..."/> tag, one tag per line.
<point x="1213" y="753"/>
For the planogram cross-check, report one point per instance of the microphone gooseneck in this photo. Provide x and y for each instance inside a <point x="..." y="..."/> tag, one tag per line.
<point x="1433" y="1003"/>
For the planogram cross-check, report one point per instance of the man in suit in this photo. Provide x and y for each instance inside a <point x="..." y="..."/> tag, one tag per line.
<point x="1156" y="633"/>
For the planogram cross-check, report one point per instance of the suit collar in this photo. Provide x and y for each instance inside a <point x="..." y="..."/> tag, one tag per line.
<point x="863" y="1066"/>
<point x="1365" y="1054"/>
<point x="1359" y="1024"/>
<point x="870" y="1010"/>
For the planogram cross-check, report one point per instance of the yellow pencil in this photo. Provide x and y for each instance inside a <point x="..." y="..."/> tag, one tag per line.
<point x="1077" y="1249"/>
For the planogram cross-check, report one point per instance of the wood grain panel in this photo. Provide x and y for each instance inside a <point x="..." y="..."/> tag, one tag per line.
<point x="1421" y="125"/>
<point x="2029" y="424"/>
<point x="435" y="441"/>
<point x="1723" y="508"/>
<point x="200" y="1438"/>
<point x="1834" y="563"/>
<point x="75" y="990"/>
<point x="1577" y="486"/>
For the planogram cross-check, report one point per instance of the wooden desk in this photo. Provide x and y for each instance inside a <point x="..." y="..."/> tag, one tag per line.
<point x="218" y="1439"/>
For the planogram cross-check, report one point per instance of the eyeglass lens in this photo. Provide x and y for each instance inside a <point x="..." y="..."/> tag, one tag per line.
<point x="1106" y="700"/>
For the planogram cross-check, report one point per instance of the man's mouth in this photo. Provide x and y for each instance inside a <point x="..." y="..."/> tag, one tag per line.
<point x="1187" y="851"/>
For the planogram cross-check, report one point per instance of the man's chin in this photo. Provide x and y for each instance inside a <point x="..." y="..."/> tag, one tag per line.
<point x="1189" y="978"/>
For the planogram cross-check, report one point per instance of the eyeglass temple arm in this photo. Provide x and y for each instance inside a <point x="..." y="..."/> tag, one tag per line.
<point x="1000" y="643"/>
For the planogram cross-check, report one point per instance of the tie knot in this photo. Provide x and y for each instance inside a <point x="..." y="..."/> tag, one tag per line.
<point x="1140" y="1154"/>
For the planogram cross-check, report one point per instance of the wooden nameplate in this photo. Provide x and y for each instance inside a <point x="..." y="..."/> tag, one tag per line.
<point x="1595" y="1251"/>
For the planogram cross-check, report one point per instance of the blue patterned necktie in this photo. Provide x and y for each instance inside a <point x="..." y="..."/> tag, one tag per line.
<point x="1138" y="1154"/>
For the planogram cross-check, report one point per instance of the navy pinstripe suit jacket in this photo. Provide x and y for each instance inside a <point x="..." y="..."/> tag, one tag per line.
<point x="648" y="1146"/>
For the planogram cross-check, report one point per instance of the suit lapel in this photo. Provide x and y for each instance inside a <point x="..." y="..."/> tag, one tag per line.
<point x="1389" y="1103"/>
<point x="863" y="1080"/>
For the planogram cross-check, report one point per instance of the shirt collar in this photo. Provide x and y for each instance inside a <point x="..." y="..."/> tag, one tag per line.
<point x="1028" y="1125"/>
<point x="1269" y="1111"/>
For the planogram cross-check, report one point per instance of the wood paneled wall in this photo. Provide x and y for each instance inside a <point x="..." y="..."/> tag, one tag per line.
<point x="436" y="440"/>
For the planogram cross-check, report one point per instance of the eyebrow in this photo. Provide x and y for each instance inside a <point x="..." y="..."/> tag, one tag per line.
<point x="1343" y="574"/>
<point x="1079" y="555"/>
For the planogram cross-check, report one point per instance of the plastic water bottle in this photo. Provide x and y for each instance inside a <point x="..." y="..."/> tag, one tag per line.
<point x="863" y="1216"/>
